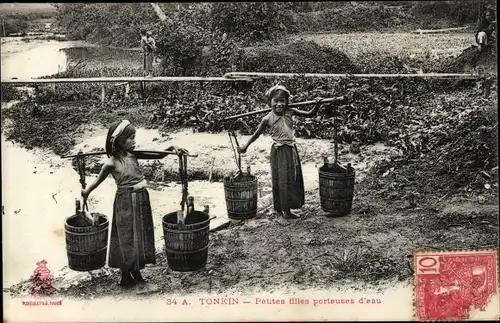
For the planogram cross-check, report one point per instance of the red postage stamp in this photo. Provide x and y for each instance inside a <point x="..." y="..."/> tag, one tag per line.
<point x="448" y="285"/>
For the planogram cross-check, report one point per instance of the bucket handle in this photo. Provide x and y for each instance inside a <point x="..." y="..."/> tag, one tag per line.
<point x="237" y="155"/>
<point x="232" y="132"/>
<point x="335" y="143"/>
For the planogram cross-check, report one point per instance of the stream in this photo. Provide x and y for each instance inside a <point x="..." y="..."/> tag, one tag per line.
<point x="32" y="58"/>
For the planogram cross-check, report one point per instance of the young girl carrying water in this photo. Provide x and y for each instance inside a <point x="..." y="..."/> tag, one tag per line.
<point x="132" y="243"/>
<point x="286" y="171"/>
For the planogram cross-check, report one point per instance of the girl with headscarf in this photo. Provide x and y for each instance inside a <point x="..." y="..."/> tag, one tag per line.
<point x="286" y="171"/>
<point x="132" y="243"/>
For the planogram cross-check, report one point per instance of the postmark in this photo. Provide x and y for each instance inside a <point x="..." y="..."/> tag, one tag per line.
<point x="448" y="285"/>
<point x="42" y="280"/>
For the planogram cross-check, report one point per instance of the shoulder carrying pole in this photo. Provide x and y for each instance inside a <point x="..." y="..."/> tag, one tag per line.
<point x="291" y="105"/>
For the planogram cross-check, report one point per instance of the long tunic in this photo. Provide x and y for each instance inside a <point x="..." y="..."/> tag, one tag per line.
<point x="148" y="44"/>
<point x="286" y="170"/>
<point x="132" y="243"/>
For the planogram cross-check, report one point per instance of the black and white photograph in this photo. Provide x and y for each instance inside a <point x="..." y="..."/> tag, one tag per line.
<point x="249" y="161"/>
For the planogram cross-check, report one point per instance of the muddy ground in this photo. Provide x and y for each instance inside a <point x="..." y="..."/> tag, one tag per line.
<point x="370" y="247"/>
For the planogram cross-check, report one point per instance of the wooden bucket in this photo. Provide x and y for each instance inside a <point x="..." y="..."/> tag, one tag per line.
<point x="186" y="245"/>
<point x="336" y="190"/>
<point x="241" y="196"/>
<point x="86" y="245"/>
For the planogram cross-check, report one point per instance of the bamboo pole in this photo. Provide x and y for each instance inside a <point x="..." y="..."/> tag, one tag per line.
<point x="291" y="105"/>
<point x="99" y="153"/>
<point x="274" y="75"/>
<point x="126" y="79"/>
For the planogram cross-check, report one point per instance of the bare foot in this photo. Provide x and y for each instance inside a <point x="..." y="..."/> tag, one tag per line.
<point x="138" y="277"/>
<point x="147" y="288"/>
<point x="291" y="215"/>
<point x="281" y="219"/>
<point x="127" y="281"/>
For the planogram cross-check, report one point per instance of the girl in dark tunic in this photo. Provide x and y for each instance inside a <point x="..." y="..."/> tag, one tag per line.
<point x="132" y="242"/>
<point x="286" y="170"/>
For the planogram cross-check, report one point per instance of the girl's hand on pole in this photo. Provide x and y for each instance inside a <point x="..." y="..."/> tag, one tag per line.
<point x="183" y="151"/>
<point x="85" y="193"/>
<point x="173" y="148"/>
<point x="242" y="150"/>
<point x="318" y="100"/>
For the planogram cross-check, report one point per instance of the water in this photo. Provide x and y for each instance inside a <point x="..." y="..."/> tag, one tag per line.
<point x="36" y="58"/>
<point x="33" y="59"/>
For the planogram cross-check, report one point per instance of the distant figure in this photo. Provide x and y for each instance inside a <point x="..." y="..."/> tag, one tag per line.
<point x="486" y="30"/>
<point x="148" y="46"/>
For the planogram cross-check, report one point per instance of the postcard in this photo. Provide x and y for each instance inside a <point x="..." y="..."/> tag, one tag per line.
<point x="273" y="161"/>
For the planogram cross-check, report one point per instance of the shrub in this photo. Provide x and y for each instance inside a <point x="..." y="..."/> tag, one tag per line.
<point x="460" y="11"/>
<point x="298" y="57"/>
<point x="251" y="21"/>
<point x="106" y="23"/>
<point x="10" y="92"/>
<point x="14" y="25"/>
<point x="180" y="47"/>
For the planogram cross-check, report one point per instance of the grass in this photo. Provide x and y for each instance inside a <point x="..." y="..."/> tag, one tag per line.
<point x="357" y="45"/>
<point x="423" y="51"/>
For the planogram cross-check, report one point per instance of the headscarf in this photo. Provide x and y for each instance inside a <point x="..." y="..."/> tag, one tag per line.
<point x="118" y="131"/>
<point x="277" y="87"/>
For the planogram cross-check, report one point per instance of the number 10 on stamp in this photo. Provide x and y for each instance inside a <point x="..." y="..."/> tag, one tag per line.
<point x="427" y="264"/>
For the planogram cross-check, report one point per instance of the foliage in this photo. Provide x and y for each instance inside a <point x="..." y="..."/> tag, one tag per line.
<point x="180" y="47"/>
<point x="470" y="59"/>
<point x="251" y="21"/>
<point x="369" y="108"/>
<point x="298" y="57"/>
<point x="38" y="125"/>
<point x="459" y="11"/>
<point x="453" y="139"/>
<point x="9" y="93"/>
<point x="115" y="24"/>
<point x="14" y="26"/>
<point x="56" y="125"/>
<point x="351" y="18"/>
<point x="23" y="22"/>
